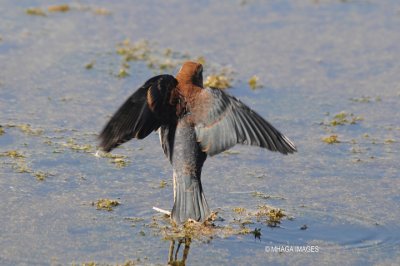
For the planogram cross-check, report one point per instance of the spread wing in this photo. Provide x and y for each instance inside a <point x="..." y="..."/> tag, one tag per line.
<point x="167" y="139"/>
<point x="151" y="106"/>
<point x="228" y="121"/>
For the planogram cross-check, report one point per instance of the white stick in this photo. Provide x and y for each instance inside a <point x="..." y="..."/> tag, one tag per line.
<point x="162" y="211"/>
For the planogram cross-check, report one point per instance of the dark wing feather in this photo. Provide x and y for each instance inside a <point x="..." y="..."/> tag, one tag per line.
<point x="167" y="139"/>
<point x="146" y="110"/>
<point x="229" y="121"/>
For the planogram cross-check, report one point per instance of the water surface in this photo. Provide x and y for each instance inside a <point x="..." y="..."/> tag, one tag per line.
<point x="314" y="59"/>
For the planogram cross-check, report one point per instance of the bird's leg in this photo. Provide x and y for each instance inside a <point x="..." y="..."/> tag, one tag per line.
<point x="171" y="251"/>
<point x="177" y="249"/>
<point x="173" y="254"/>
<point x="174" y="181"/>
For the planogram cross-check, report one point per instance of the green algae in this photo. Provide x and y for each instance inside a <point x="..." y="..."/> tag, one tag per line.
<point x="239" y="210"/>
<point x="41" y="176"/>
<point x="90" y="64"/>
<point x="35" y="11"/>
<point x="123" y="72"/>
<point x="163" y="184"/>
<point x="106" y="204"/>
<point x="366" y="99"/>
<point x="239" y="225"/>
<point x="344" y="118"/>
<point x="27" y="129"/>
<point x="12" y="154"/>
<point x="59" y="8"/>
<point x="101" y="11"/>
<point x="263" y="195"/>
<point x="254" y="82"/>
<point x="116" y="159"/>
<point x="71" y="143"/>
<point x="220" y="81"/>
<point x="92" y="263"/>
<point x="331" y="139"/>
<point x="272" y="216"/>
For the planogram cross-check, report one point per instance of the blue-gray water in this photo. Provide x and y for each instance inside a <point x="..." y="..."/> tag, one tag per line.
<point x="314" y="59"/>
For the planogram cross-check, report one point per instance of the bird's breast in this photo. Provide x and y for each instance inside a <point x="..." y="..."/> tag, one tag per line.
<point x="187" y="156"/>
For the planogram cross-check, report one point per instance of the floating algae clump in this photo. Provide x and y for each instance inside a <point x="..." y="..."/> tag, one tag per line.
<point x="106" y="204"/>
<point x="90" y="64"/>
<point x="344" y="118"/>
<point x="41" y="175"/>
<point x="118" y="160"/>
<point x="27" y="129"/>
<point x="35" y="12"/>
<point x="254" y="82"/>
<point x="239" y="210"/>
<point x="137" y="51"/>
<point x="12" y="154"/>
<point x="19" y="165"/>
<point x="264" y="214"/>
<point x="331" y="139"/>
<point x="74" y="146"/>
<point x="59" y="8"/>
<point x="272" y="215"/>
<point x="123" y="73"/>
<point x="220" y="81"/>
<point x="163" y="184"/>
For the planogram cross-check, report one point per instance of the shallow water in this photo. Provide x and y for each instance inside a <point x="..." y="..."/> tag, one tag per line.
<point x="315" y="59"/>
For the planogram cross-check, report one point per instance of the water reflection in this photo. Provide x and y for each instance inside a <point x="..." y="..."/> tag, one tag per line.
<point x="173" y="254"/>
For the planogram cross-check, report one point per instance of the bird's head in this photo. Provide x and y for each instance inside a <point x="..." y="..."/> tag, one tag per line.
<point x="191" y="72"/>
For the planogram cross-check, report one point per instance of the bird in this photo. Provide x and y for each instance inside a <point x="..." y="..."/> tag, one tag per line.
<point x="193" y="122"/>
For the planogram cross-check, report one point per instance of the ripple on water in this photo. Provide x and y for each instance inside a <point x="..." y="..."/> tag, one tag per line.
<point x="335" y="230"/>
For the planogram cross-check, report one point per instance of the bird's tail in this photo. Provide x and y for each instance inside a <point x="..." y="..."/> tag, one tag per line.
<point x="189" y="200"/>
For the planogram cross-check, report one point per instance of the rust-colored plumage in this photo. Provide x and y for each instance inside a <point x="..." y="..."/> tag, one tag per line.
<point x="193" y="122"/>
